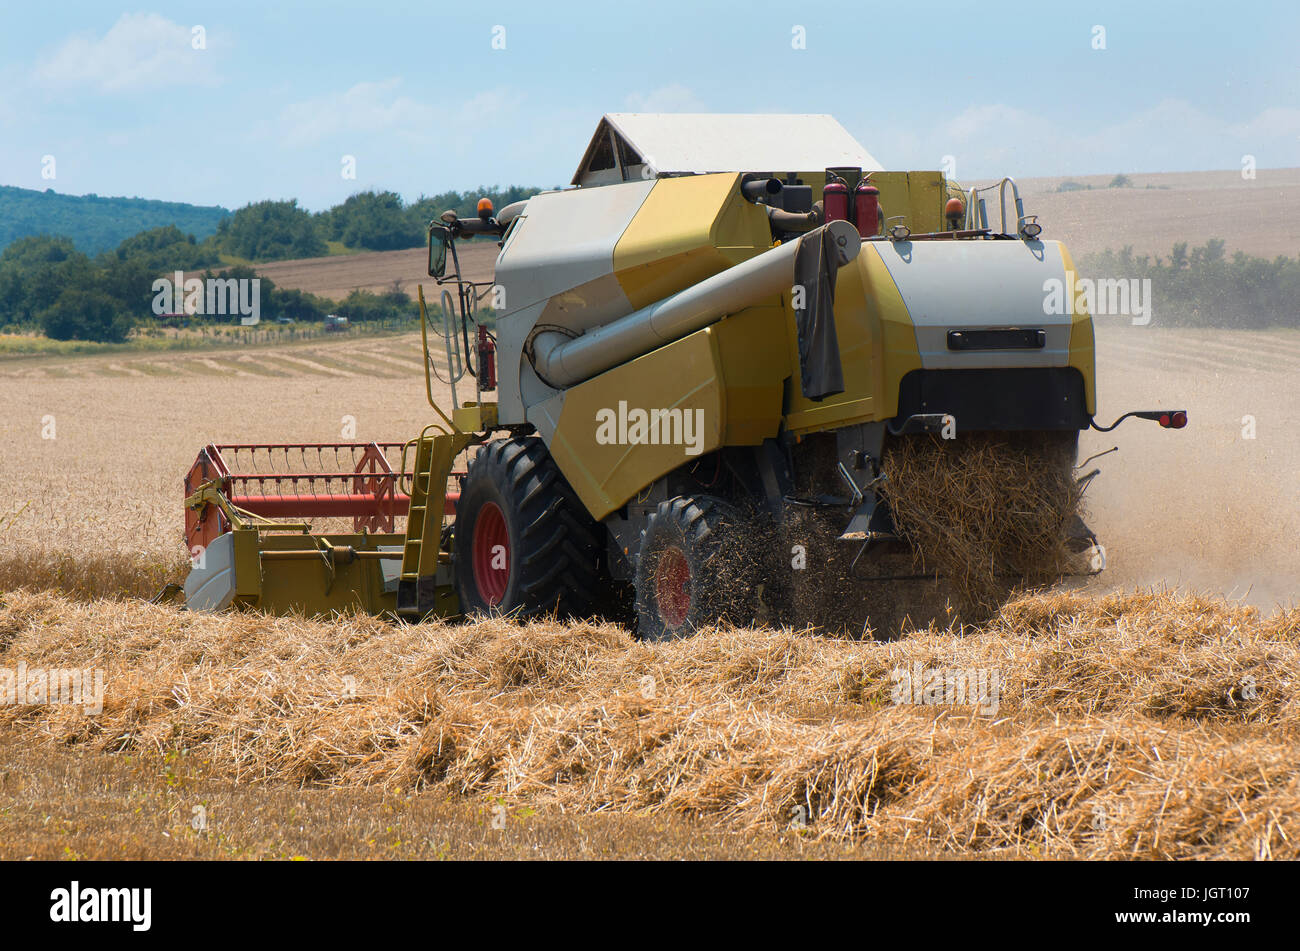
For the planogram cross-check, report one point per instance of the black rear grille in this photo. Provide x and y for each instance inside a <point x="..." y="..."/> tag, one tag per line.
<point x="1003" y="398"/>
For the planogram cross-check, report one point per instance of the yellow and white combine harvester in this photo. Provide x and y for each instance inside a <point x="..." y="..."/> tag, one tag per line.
<point x="703" y="350"/>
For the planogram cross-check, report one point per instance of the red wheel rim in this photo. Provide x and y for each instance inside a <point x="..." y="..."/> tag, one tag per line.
<point x="491" y="553"/>
<point x="673" y="587"/>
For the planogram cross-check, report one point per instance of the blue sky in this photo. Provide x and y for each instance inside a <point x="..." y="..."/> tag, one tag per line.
<point x="416" y="93"/>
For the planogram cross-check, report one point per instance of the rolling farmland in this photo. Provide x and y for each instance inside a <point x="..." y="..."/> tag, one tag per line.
<point x="1110" y="689"/>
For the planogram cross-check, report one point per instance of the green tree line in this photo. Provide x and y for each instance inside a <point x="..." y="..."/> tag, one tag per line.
<point x="1204" y="287"/>
<point x="259" y="232"/>
<point x="47" y="285"/>
<point x="96" y="223"/>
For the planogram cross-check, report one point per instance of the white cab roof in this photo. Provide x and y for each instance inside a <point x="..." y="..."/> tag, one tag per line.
<point x="729" y="142"/>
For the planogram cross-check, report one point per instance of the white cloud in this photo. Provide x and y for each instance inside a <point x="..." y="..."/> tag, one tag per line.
<point x="1271" y="123"/>
<point x="671" y="98"/>
<point x="365" y="108"/>
<point x="368" y="108"/>
<point x="970" y="124"/>
<point x="140" y="50"/>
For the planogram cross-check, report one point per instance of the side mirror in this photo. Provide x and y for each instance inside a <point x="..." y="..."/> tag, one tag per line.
<point x="439" y="238"/>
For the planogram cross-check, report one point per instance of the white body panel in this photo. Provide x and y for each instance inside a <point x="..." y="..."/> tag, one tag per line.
<point x="565" y="240"/>
<point x="979" y="285"/>
<point x="557" y="267"/>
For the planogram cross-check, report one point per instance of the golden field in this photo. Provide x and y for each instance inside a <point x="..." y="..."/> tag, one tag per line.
<point x="1149" y="712"/>
<point x="1145" y="725"/>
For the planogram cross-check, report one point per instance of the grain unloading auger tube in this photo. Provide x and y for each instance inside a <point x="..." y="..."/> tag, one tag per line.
<point x="704" y="362"/>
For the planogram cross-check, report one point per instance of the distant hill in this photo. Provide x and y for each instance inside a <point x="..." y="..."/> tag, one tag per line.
<point x="94" y="223"/>
<point x="1260" y="216"/>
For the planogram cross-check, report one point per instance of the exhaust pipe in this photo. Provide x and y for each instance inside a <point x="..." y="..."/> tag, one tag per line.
<point x="799" y="222"/>
<point x="562" y="361"/>
<point x="759" y="190"/>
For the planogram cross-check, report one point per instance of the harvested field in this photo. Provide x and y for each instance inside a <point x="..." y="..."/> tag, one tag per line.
<point x="1128" y="723"/>
<point x="1144" y="725"/>
<point x="339" y="275"/>
<point x="67" y="803"/>
<point x="1260" y="216"/>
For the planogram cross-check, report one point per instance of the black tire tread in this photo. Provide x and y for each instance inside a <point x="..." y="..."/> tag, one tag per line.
<point x="556" y="542"/>
<point x="717" y="535"/>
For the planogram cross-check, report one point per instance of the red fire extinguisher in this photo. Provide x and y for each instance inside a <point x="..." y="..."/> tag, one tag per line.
<point x="866" y="207"/>
<point x="835" y="200"/>
<point x="487" y="361"/>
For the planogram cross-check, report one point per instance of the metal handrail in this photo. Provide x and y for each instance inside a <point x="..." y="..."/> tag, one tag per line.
<point x="428" y="378"/>
<point x="409" y="487"/>
<point x="977" y="213"/>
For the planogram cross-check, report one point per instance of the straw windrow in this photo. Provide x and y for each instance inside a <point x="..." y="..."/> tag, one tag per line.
<point x="1145" y="725"/>
<point x="986" y="511"/>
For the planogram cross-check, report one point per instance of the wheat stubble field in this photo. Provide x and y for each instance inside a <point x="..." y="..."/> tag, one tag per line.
<point x="1150" y="712"/>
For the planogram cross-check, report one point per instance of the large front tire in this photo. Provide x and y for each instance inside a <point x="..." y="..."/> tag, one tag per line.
<point x="525" y="545"/>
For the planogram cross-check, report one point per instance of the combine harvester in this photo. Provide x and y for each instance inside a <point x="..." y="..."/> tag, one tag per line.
<point x="704" y="350"/>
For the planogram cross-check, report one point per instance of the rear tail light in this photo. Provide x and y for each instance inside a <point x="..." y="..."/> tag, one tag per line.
<point x="1174" y="420"/>
<point x="1168" y="419"/>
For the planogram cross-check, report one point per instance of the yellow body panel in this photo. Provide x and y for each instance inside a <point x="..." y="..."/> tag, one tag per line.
<point x="475" y="417"/>
<point x="754" y="369"/>
<point x="918" y="197"/>
<point x="310" y="586"/>
<point x="684" y="375"/>
<point x="688" y="229"/>
<point x="877" y="349"/>
<point x="1083" y="352"/>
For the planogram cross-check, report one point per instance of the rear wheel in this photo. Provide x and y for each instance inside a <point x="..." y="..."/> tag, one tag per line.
<point x="525" y="545"/>
<point x="698" y="565"/>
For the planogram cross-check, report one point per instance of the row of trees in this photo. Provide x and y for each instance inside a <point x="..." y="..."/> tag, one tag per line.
<point x="262" y="231"/>
<point x="1203" y="287"/>
<point x="367" y="221"/>
<point x="46" y="284"/>
<point x="95" y="223"/>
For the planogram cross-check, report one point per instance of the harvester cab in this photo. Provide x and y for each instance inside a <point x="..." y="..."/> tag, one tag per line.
<point x="722" y="361"/>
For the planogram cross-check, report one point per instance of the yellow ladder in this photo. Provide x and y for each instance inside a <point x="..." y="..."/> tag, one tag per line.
<point x="421" y="551"/>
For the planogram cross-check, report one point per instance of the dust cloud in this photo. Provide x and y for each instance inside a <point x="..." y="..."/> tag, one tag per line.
<point x="1213" y="508"/>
